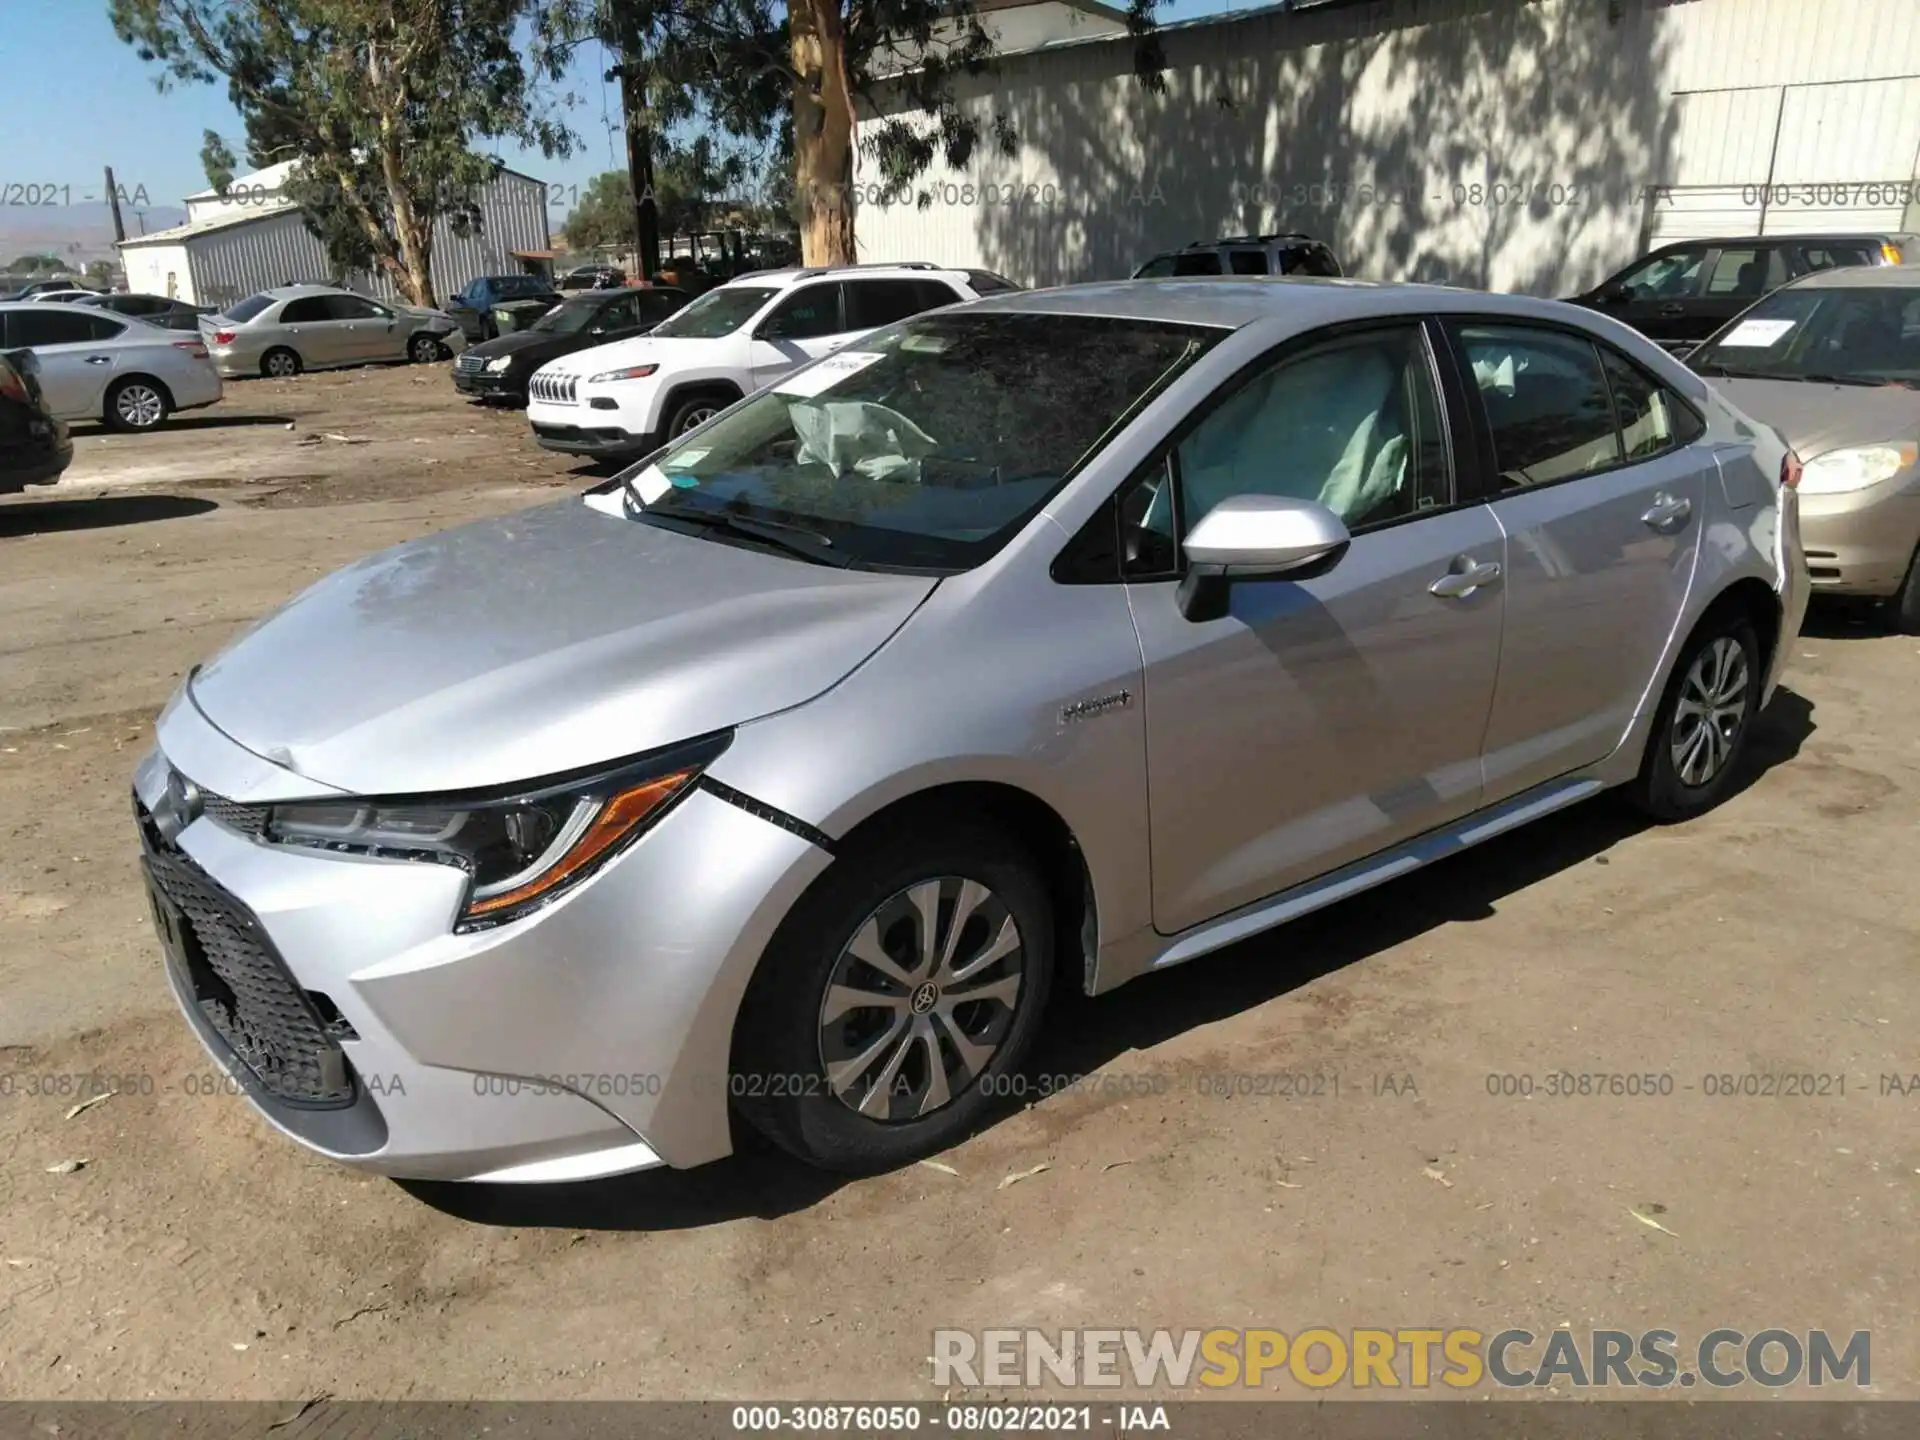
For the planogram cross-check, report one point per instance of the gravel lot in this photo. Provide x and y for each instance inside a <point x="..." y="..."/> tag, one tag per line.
<point x="197" y="1254"/>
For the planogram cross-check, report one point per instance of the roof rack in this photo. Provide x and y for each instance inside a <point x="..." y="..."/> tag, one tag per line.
<point x="1252" y="239"/>
<point x="808" y="272"/>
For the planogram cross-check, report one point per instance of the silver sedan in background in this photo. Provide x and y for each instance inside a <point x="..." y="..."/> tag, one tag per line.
<point x="1043" y="641"/>
<point x="94" y="365"/>
<point x="314" y="327"/>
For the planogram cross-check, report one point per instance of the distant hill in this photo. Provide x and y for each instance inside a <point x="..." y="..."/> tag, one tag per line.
<point x="81" y="231"/>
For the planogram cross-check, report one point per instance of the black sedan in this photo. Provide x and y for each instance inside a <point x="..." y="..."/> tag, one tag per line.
<point x="498" y="369"/>
<point x="34" y="447"/>
<point x="154" y="309"/>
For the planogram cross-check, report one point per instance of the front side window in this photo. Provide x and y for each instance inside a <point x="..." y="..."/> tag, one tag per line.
<point x="1866" y="335"/>
<point x="1353" y="423"/>
<point x="1748" y="272"/>
<point x="32" y="328"/>
<point x="1672" y="276"/>
<point x="306" y="310"/>
<point x="352" y="307"/>
<point x="929" y="447"/>
<point x="1546" y="400"/>
<point x="1248" y="262"/>
<point x="806" y="314"/>
<point x="1197" y="262"/>
<point x="716" y="313"/>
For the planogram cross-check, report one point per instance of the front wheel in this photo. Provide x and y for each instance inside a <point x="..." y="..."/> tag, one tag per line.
<point x="895" y="1000"/>
<point x="1903" y="610"/>
<point x="423" y="349"/>
<point x="1704" y="720"/>
<point x="691" y="413"/>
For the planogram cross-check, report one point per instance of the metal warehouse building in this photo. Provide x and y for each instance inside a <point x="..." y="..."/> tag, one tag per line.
<point x="252" y="237"/>
<point x="1530" y="145"/>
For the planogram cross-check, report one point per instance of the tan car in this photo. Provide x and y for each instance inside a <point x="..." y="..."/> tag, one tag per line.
<point x="313" y="327"/>
<point x="1832" y="362"/>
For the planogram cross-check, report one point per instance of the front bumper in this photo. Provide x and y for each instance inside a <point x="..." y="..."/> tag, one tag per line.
<point x="36" y="464"/>
<point x="590" y="1038"/>
<point x="1861" y="542"/>
<point x="482" y="386"/>
<point x="608" y="442"/>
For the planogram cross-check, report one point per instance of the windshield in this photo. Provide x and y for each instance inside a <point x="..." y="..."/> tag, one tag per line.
<point x="716" y="313"/>
<point x="931" y="444"/>
<point x="519" y="285"/>
<point x="569" y="317"/>
<point x="1865" y="335"/>
<point x="249" y="307"/>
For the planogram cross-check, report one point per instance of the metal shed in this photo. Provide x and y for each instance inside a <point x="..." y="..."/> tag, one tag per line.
<point x="252" y="237"/>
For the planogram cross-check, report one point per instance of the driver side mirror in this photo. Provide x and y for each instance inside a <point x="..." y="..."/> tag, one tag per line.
<point x="1257" y="537"/>
<point x="1616" y="293"/>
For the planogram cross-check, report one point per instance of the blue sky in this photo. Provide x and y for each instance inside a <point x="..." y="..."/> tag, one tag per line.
<point x="93" y="104"/>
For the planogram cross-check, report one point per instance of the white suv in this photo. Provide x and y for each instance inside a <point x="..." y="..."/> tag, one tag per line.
<point x="631" y="396"/>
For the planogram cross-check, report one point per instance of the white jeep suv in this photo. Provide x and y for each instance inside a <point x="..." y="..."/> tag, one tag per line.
<point x="630" y="397"/>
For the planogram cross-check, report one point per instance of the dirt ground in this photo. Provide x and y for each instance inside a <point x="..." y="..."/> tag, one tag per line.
<point x="197" y="1254"/>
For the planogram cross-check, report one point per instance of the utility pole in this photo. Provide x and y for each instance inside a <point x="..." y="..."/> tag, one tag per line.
<point x="632" y="75"/>
<point x="113" y="199"/>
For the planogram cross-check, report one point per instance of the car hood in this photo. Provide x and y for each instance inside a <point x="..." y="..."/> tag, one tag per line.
<point x="515" y="342"/>
<point x="661" y="350"/>
<point x="537" y="643"/>
<point x="1815" y="418"/>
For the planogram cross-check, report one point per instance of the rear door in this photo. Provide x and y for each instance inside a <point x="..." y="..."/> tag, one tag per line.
<point x="1248" y="260"/>
<point x="1586" y="462"/>
<point x="1320" y="719"/>
<point x="805" y="325"/>
<point x="76" y="362"/>
<point x="1737" y="275"/>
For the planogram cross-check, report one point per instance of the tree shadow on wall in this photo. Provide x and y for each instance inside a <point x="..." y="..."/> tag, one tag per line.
<point x="1485" y="143"/>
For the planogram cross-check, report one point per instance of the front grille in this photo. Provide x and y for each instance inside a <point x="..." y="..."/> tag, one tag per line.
<point x="243" y="988"/>
<point x="555" y="389"/>
<point x="248" y="820"/>
<point x="470" y="363"/>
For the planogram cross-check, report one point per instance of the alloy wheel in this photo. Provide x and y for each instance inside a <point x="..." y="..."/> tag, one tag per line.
<point x="1710" y="712"/>
<point x="139" y="406"/>
<point x="921" y="999"/>
<point x="425" y="349"/>
<point x="699" y="415"/>
<point x="281" y="365"/>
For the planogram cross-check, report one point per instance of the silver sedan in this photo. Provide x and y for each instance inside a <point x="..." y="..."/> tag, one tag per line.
<point x="314" y="327"/>
<point x="1043" y="641"/>
<point x="94" y="365"/>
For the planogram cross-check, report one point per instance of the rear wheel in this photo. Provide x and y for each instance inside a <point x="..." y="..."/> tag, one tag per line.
<point x="136" y="404"/>
<point x="1701" y="730"/>
<point x="895" y="998"/>
<point x="280" y="363"/>
<point x="1903" y="609"/>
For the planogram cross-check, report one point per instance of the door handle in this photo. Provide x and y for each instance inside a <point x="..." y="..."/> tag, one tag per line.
<point x="1673" y="308"/>
<point x="1464" y="578"/>
<point x="99" y="359"/>
<point x="1669" y="512"/>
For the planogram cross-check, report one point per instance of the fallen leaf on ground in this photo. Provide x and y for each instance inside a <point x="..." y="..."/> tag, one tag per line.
<point x="1650" y="1222"/>
<point x="66" y="1167"/>
<point x="1019" y="1175"/>
<point x="89" y="1104"/>
<point x="943" y="1169"/>
<point x="1114" y="1165"/>
<point x="1433" y="1174"/>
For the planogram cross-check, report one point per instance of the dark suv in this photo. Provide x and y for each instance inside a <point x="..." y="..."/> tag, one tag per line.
<point x="1289" y="254"/>
<point x="1681" y="293"/>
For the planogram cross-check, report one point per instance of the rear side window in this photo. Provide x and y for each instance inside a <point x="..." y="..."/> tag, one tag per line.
<point x="873" y="303"/>
<point x="1157" y="268"/>
<point x="985" y="282"/>
<point x="104" y="327"/>
<point x="306" y="310"/>
<point x="1652" y="419"/>
<point x="934" y="294"/>
<point x="1546" y="400"/>
<point x="1318" y="260"/>
<point x="249" y="307"/>
<point x="1747" y="272"/>
<point x="1248" y="262"/>
<point x="1198" y="262"/>
<point x="810" y="311"/>
<point x="1833" y="256"/>
<point x="656" y="305"/>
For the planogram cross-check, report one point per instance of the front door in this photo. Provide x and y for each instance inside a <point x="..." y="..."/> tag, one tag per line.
<point x="1653" y="297"/>
<point x="801" y="328"/>
<point x="1601" y="498"/>
<point x="312" y="329"/>
<point x="373" y="331"/>
<point x="1321" y="719"/>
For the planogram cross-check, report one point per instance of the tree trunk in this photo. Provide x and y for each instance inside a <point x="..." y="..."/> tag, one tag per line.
<point x="823" y="133"/>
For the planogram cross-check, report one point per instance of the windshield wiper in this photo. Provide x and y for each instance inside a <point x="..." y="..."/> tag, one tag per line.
<point x="1727" y="372"/>
<point x="794" y="539"/>
<point x="1845" y="380"/>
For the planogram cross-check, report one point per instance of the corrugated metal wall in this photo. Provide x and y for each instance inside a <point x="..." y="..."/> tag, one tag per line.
<point x="230" y="264"/>
<point x="1527" y="146"/>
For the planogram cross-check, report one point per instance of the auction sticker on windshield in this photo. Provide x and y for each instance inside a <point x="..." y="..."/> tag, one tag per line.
<point x="1758" y="333"/>
<point x="825" y="374"/>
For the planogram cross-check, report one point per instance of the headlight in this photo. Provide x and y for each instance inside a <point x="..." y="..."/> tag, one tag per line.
<point x="1839" y="471"/>
<point x="522" y="850"/>
<point x="494" y="367"/>
<point x="631" y="372"/>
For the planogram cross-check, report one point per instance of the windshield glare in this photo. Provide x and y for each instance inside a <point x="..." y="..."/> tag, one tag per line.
<point x="1860" y="335"/>
<point x="568" y="318"/>
<point x="928" y="446"/>
<point x="716" y="313"/>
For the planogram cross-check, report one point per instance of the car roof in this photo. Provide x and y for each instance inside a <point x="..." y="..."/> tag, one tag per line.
<point x="892" y="270"/>
<point x="1233" y="303"/>
<point x="1862" y="277"/>
<point x="1811" y="237"/>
